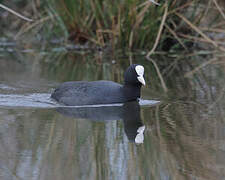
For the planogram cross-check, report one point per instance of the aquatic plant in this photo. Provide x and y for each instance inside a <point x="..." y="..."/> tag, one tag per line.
<point x="117" y="23"/>
<point x="135" y="24"/>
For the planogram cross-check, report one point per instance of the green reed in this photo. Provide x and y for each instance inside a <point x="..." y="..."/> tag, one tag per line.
<point x="139" y="24"/>
<point x="128" y="23"/>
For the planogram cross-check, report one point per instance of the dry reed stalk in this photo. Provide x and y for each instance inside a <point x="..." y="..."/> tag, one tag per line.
<point x="199" y="39"/>
<point x="215" y="30"/>
<point x="189" y="74"/>
<point x="139" y="19"/>
<point x="148" y="2"/>
<point x="108" y="31"/>
<point x="66" y="9"/>
<point x="181" y="7"/>
<point x="219" y="9"/>
<point x="89" y="21"/>
<point x="175" y="36"/>
<point x="119" y="23"/>
<point x="219" y="97"/>
<point x="131" y="39"/>
<point x="199" y="31"/>
<point x="197" y="53"/>
<point x="159" y="74"/>
<point x="173" y="23"/>
<point x="219" y="25"/>
<point x="100" y="37"/>
<point x="29" y="26"/>
<point x="208" y="6"/>
<point x="99" y="29"/>
<point x="143" y="4"/>
<point x="140" y="16"/>
<point x="15" y="13"/>
<point x="152" y="1"/>
<point x="131" y="58"/>
<point x="114" y="34"/>
<point x="94" y="41"/>
<point x="160" y="31"/>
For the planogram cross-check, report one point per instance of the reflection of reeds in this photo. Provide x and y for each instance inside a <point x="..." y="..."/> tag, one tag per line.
<point x="184" y="138"/>
<point x="184" y="143"/>
<point x="181" y="141"/>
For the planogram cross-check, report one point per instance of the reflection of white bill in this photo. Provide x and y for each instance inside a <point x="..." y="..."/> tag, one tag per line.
<point x="139" y="139"/>
<point x="154" y="2"/>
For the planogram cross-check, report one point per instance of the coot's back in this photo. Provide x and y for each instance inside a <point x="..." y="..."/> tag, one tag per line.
<point x="89" y="93"/>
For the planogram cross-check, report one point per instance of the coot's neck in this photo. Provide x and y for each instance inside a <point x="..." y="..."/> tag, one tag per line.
<point x="132" y="91"/>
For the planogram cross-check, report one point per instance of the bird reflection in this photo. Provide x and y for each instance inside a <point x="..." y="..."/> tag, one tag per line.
<point x="133" y="126"/>
<point x="129" y="113"/>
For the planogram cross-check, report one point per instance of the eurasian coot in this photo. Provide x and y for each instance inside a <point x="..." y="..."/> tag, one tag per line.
<point x="78" y="93"/>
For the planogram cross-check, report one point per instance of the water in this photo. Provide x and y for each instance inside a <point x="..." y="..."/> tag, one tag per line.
<point x="182" y="137"/>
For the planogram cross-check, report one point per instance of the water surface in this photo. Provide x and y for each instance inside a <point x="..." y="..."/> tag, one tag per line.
<point x="182" y="137"/>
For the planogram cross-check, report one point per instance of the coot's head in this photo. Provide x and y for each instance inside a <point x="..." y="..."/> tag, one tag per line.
<point x="134" y="75"/>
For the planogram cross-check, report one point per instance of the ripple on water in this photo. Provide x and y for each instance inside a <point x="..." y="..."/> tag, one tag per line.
<point x="43" y="100"/>
<point x="6" y="87"/>
<point x="40" y="100"/>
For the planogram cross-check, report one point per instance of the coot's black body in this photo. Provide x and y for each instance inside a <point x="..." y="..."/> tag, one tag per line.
<point x="78" y="93"/>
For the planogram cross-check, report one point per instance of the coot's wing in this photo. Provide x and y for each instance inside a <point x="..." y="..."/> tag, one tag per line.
<point x="106" y="92"/>
<point x="71" y="93"/>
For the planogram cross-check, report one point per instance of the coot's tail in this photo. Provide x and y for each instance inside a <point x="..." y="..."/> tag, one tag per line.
<point x="54" y="95"/>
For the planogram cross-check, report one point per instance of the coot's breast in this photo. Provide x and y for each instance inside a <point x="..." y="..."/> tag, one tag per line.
<point x="89" y="93"/>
